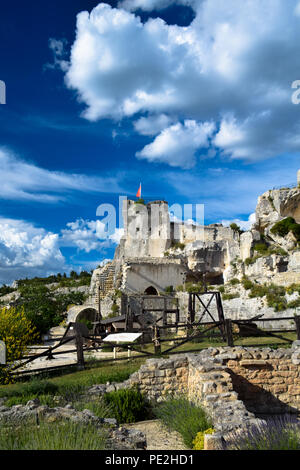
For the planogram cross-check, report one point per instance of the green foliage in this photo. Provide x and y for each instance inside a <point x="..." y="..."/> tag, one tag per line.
<point x="53" y="436"/>
<point x="99" y="408"/>
<point x="198" y="443"/>
<point x="275" y="434"/>
<point x="179" y="414"/>
<point x="17" y="332"/>
<point x="140" y="201"/>
<point x="178" y="246"/>
<point x="294" y="304"/>
<point x="236" y="228"/>
<point x="247" y="284"/>
<point x="252" y="260"/>
<point x="4" y="290"/>
<point x="233" y="295"/>
<point x="285" y="226"/>
<point x="87" y="323"/>
<point x="293" y="288"/>
<point x="169" y="290"/>
<point x="221" y="289"/>
<point x="42" y="308"/>
<point x="128" y="405"/>
<point x="275" y="295"/>
<point x="115" y="309"/>
<point x="234" y="282"/>
<point x="261" y="248"/>
<point x="190" y="287"/>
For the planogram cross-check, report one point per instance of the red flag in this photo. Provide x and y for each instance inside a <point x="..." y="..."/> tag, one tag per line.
<point x="139" y="193"/>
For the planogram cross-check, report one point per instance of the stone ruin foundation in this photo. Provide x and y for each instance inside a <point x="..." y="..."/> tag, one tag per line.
<point x="237" y="386"/>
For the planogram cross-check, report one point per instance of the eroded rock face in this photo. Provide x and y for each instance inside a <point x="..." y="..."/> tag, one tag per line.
<point x="276" y="205"/>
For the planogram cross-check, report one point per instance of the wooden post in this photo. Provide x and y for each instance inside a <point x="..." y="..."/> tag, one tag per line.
<point x="165" y="319"/>
<point x="157" y="344"/>
<point x="297" y="321"/>
<point x="228" y="330"/>
<point x="79" y="347"/>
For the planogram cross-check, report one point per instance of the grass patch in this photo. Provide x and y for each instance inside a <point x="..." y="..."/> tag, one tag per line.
<point x="128" y="405"/>
<point x="54" y="436"/>
<point x="178" y="414"/>
<point x="71" y="385"/>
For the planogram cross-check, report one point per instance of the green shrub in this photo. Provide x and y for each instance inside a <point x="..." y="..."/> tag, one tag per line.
<point x="233" y="295"/>
<point x="261" y="248"/>
<point x="99" y="408"/>
<point x="258" y="290"/>
<point x="247" y="284"/>
<point x="169" y="290"/>
<point x="236" y="228"/>
<point x="294" y="304"/>
<point x="128" y="405"/>
<point x="293" y="288"/>
<point x="178" y="246"/>
<point x="234" y="282"/>
<point x="198" y="443"/>
<point x="179" y="414"/>
<point x="53" y="436"/>
<point x="285" y="226"/>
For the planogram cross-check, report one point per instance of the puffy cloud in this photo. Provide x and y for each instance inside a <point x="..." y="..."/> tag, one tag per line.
<point x="26" y="250"/>
<point x="243" y="224"/>
<point x="89" y="235"/>
<point x="29" y="251"/>
<point x="229" y="61"/>
<point x="152" y="125"/>
<point x="177" y="144"/>
<point x="22" y="180"/>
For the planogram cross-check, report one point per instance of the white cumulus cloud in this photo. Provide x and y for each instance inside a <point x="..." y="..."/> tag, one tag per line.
<point x="230" y="66"/>
<point x="178" y="143"/>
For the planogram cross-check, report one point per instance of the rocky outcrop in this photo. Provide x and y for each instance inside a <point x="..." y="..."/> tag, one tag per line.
<point x="277" y="204"/>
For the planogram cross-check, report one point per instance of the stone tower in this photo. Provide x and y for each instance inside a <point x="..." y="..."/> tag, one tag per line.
<point x="147" y="229"/>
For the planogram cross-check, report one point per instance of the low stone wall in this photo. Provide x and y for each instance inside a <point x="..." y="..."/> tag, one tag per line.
<point x="234" y="385"/>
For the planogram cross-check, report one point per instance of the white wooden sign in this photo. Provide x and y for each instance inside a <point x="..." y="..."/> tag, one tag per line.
<point x="2" y="353"/>
<point x="123" y="337"/>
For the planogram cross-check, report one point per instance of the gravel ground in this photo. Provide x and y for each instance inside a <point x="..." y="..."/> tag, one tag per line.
<point x="158" y="437"/>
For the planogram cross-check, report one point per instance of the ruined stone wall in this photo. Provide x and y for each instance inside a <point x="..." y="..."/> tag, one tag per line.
<point x="266" y="381"/>
<point x="234" y="385"/>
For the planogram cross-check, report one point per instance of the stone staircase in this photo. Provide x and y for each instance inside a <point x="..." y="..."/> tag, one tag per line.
<point x="106" y="281"/>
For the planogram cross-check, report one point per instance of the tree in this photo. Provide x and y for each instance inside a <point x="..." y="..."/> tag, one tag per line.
<point x="17" y="332"/>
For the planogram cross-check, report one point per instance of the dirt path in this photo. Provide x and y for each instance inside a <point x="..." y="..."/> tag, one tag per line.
<point x="158" y="438"/>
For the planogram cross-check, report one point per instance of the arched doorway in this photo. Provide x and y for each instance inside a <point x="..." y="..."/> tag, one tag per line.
<point x="151" y="291"/>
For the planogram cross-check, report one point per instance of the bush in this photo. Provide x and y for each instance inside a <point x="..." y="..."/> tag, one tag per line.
<point x="234" y="282"/>
<point x="278" y="434"/>
<point x="247" y="284"/>
<point x="128" y="405"/>
<point x="234" y="295"/>
<point x="236" y="228"/>
<point x="198" y="443"/>
<point x="179" y="414"/>
<point x="54" y="436"/>
<point x="285" y="226"/>
<point x="293" y="288"/>
<point x="17" y="332"/>
<point x="178" y="246"/>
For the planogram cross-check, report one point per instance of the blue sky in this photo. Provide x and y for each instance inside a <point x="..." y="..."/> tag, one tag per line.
<point x="179" y="95"/>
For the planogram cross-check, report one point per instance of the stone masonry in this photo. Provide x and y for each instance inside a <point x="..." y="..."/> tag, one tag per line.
<point x="235" y="385"/>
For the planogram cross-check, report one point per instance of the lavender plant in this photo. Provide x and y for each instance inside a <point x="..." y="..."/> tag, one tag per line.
<point x="282" y="433"/>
